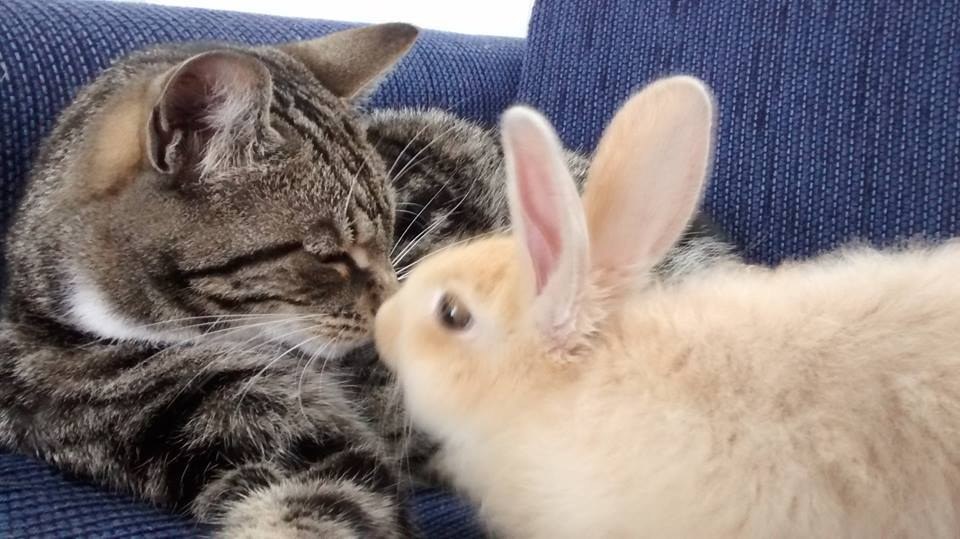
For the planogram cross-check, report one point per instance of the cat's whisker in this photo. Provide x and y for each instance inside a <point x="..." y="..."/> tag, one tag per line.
<point x="216" y="319"/>
<point x="404" y="150"/>
<point x="415" y="242"/>
<point x="409" y="164"/>
<point x="231" y="350"/>
<point x="206" y="317"/>
<point x="213" y="324"/>
<point x="392" y="406"/>
<point x="420" y="237"/>
<point x="327" y="359"/>
<point x="413" y="160"/>
<point x="413" y="139"/>
<point x="255" y="377"/>
<point x="410" y="203"/>
<point x="425" y="206"/>
<point x="403" y="271"/>
<point x="281" y="323"/>
<point x="408" y="433"/>
<point x="319" y="353"/>
<point x="353" y="183"/>
<point x="313" y="357"/>
<point x="435" y="226"/>
<point x="229" y="330"/>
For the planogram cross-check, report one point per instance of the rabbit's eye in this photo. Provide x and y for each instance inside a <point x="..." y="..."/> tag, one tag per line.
<point x="453" y="314"/>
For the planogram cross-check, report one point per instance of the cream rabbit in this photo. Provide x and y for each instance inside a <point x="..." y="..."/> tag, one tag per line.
<point x="576" y="397"/>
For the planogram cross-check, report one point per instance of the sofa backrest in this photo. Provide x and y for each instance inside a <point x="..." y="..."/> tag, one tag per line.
<point x="839" y="120"/>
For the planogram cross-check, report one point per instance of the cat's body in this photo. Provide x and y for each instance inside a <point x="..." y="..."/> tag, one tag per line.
<point x="205" y="235"/>
<point x="574" y="397"/>
<point x="203" y="229"/>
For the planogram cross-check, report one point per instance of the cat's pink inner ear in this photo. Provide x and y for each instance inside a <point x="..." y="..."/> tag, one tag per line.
<point x="538" y="209"/>
<point x="216" y="93"/>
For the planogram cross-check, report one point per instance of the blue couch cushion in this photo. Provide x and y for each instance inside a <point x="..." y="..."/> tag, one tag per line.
<point x="38" y="501"/>
<point x="49" y="49"/>
<point x="839" y="120"/>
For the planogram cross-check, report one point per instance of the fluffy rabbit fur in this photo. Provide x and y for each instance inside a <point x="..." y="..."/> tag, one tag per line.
<point x="576" y="397"/>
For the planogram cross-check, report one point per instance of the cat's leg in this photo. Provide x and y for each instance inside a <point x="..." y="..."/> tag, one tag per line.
<point x="350" y="495"/>
<point x="262" y="451"/>
<point x="381" y="403"/>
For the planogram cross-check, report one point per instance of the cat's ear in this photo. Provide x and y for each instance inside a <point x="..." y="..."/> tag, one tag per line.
<point x="547" y="218"/>
<point x="350" y="62"/>
<point x="208" y="107"/>
<point x="647" y="178"/>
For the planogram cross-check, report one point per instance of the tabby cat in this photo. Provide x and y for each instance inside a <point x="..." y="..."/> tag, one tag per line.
<point x="194" y="269"/>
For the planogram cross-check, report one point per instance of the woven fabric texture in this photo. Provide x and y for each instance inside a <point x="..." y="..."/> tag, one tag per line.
<point x="49" y="49"/>
<point x="839" y="120"/>
<point x="37" y="501"/>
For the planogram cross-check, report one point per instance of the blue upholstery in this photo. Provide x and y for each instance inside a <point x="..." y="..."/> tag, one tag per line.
<point x="36" y="501"/>
<point x="839" y="120"/>
<point x="49" y="49"/>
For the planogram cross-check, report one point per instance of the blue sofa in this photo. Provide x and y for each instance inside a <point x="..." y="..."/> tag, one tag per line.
<point x="839" y="121"/>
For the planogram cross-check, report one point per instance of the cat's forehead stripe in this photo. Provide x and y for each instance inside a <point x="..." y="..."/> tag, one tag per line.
<point x="319" y="125"/>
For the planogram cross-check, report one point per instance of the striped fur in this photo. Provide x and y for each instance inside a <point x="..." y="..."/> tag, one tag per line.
<point x="188" y="316"/>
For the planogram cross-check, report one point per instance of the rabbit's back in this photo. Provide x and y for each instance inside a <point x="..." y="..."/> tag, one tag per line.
<point x="821" y="398"/>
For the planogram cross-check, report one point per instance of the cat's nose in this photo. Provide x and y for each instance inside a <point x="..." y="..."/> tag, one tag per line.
<point x="385" y="286"/>
<point x="386" y="278"/>
<point x="391" y="285"/>
<point x="388" y="286"/>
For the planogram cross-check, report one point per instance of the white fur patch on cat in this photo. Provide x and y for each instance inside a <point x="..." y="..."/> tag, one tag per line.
<point x="92" y="312"/>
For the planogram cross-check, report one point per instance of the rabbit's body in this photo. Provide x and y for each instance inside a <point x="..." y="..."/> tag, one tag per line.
<point x="815" y="400"/>
<point x="576" y="397"/>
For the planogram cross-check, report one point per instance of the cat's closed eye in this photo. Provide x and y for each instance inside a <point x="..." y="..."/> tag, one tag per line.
<point x="340" y="262"/>
<point x="338" y="258"/>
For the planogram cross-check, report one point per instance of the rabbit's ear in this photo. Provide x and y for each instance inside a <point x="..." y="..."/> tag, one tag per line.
<point x="350" y="62"/>
<point x="547" y="216"/>
<point x="647" y="177"/>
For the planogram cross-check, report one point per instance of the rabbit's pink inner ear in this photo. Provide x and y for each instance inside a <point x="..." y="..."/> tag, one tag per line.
<point x="538" y="210"/>
<point x="546" y="215"/>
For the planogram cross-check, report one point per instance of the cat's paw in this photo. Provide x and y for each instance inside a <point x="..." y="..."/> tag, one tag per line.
<point x="295" y="510"/>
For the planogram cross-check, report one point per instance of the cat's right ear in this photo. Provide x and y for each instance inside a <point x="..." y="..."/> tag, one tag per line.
<point x="350" y="62"/>
<point x="208" y="107"/>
